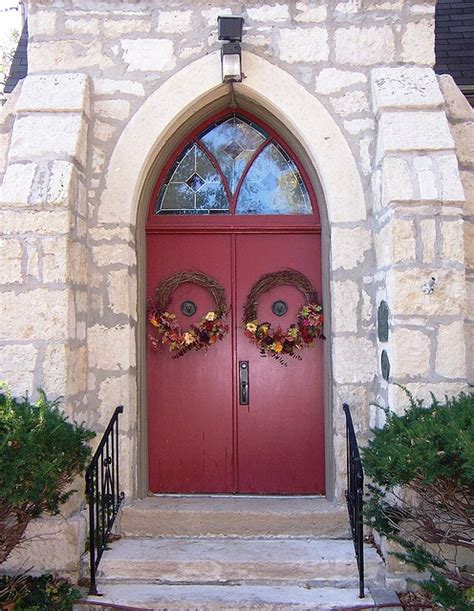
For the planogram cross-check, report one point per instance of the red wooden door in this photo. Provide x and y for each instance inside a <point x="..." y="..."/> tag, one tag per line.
<point x="200" y="438"/>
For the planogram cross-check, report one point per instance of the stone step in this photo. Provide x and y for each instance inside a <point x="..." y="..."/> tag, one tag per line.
<point x="159" y="597"/>
<point x="250" y="516"/>
<point x="320" y="562"/>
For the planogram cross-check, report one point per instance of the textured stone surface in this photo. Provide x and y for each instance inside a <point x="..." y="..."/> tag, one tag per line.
<point x="450" y="354"/>
<point x="405" y="131"/>
<point x="364" y="46"/>
<point x="234" y="516"/>
<point x="277" y="12"/>
<point x="418" y="42"/>
<point x="396" y="180"/>
<point x="46" y="136"/>
<point x="410" y="353"/>
<point x="18" y="367"/>
<point x="330" y="80"/>
<point x="303" y="45"/>
<point x="16" y="187"/>
<point x="148" y="54"/>
<point x="360" y="353"/>
<point x="54" y="93"/>
<point x="405" y="87"/>
<point x="208" y="560"/>
<point x="11" y="254"/>
<point x="457" y="105"/>
<point x="345" y="315"/>
<point x="110" y="348"/>
<point x="66" y="55"/>
<point x="349" y="246"/>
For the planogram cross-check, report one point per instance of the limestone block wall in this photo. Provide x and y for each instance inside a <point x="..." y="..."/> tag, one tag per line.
<point x="108" y="86"/>
<point x="461" y="123"/>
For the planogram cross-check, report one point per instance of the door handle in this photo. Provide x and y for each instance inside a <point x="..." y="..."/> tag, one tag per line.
<point x="244" y="382"/>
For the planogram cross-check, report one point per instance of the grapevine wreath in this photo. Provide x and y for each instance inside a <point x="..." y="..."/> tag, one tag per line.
<point x="279" y="343"/>
<point x="165" y="328"/>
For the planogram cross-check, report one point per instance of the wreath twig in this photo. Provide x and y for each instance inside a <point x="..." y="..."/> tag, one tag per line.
<point x="278" y="343"/>
<point x="166" y="331"/>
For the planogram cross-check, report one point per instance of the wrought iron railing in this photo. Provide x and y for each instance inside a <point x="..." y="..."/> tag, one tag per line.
<point x="103" y="494"/>
<point x="354" y="495"/>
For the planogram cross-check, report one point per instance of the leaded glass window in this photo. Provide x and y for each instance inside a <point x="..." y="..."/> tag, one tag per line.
<point x="234" y="166"/>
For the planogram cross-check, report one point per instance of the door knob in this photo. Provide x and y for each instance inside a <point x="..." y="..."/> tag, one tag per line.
<point x="244" y="382"/>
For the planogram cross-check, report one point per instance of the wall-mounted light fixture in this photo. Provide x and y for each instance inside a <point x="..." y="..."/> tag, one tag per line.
<point x="230" y="31"/>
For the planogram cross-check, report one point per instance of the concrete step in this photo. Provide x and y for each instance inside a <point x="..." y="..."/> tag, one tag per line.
<point x="252" y="516"/>
<point x="321" y="562"/>
<point x="230" y="598"/>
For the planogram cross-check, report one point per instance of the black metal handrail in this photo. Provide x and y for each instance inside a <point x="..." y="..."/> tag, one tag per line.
<point x="354" y="495"/>
<point x="103" y="494"/>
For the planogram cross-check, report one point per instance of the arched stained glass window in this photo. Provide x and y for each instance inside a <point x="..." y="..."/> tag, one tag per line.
<point x="234" y="166"/>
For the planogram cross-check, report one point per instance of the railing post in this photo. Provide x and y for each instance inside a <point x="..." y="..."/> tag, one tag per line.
<point x="103" y="495"/>
<point x="355" y="495"/>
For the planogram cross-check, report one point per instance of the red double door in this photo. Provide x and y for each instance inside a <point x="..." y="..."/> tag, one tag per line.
<point x="201" y="439"/>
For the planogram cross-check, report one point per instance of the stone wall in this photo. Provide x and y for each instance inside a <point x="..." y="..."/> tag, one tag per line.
<point x="110" y="82"/>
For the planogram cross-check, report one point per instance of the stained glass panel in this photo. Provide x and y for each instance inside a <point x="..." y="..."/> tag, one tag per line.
<point x="273" y="185"/>
<point x="193" y="186"/>
<point x="233" y="142"/>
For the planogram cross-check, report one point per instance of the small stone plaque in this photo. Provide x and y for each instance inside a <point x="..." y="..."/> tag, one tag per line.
<point x="385" y="364"/>
<point x="382" y="321"/>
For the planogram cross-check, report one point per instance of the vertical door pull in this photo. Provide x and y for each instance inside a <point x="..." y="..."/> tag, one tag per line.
<point x="243" y="382"/>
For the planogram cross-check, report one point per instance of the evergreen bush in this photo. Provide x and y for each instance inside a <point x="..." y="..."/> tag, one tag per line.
<point x="422" y="496"/>
<point x="40" y="455"/>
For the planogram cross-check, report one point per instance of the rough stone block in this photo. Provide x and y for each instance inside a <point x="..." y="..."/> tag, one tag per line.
<point x="405" y="87"/>
<point x="467" y="180"/>
<point x="331" y="80"/>
<point x="36" y="314"/>
<point x="402" y="242"/>
<point x="117" y="390"/>
<point x="427" y="184"/>
<point x="418" y="42"/>
<point x="354" y="360"/>
<point x="452" y="241"/>
<point x="469" y="244"/>
<point x="303" y="45"/>
<point x="17" y="366"/>
<point x="11" y="259"/>
<point x="54" y="260"/>
<point x="350" y="103"/>
<point x="62" y="184"/>
<point x="406" y="297"/>
<point x="463" y="134"/>
<point x="410" y="353"/>
<point x="116" y="28"/>
<point x="49" y="136"/>
<point x="66" y="55"/>
<point x="17" y="183"/>
<point x="277" y="12"/>
<point x="451" y="352"/>
<point x="110" y="254"/>
<point x="36" y="222"/>
<point x="112" y="109"/>
<point x="349" y="246"/>
<point x="111" y="348"/>
<point x="53" y="545"/>
<point x="54" y="93"/>
<point x="81" y="27"/>
<point x="364" y="46"/>
<point x="428" y="239"/>
<point x="451" y="187"/>
<point x="406" y="131"/>
<point x="114" y="86"/>
<point x="149" y="54"/>
<point x="396" y="180"/>
<point x="120" y="297"/>
<point x="41" y="23"/>
<point x="457" y="106"/>
<point x="174" y="22"/>
<point x="345" y="301"/>
<point x="307" y="13"/>
<point x="356" y="126"/>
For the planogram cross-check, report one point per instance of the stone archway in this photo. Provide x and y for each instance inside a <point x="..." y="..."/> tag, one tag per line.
<point x="131" y="171"/>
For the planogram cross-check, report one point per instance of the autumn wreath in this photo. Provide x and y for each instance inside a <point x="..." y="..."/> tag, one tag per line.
<point x="165" y="328"/>
<point x="278" y="342"/>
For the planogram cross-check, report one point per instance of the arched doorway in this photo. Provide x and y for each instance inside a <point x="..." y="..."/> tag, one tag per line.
<point x="233" y="202"/>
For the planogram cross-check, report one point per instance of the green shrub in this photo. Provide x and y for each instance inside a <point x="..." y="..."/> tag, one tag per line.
<point x="422" y="497"/>
<point x="47" y="591"/>
<point x="40" y="455"/>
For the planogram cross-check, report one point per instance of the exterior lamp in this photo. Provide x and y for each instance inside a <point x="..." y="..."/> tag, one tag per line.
<point x="230" y="31"/>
